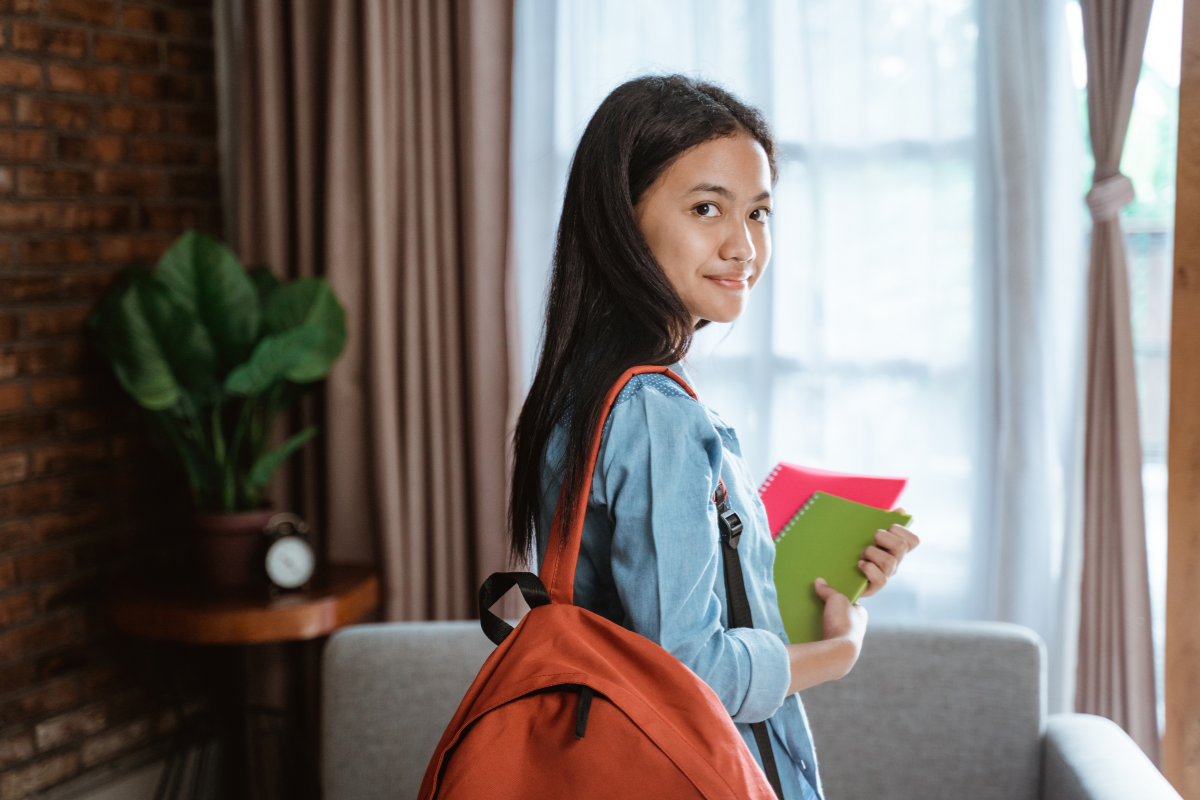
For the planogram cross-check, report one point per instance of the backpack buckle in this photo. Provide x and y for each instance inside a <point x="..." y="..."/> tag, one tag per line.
<point x="731" y="525"/>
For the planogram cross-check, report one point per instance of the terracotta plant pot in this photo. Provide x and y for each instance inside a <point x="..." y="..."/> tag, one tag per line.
<point x="230" y="546"/>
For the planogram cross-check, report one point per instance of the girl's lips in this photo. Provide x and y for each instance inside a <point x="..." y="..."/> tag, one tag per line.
<point x="730" y="281"/>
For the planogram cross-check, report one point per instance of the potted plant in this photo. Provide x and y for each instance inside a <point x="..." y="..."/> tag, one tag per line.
<point x="214" y="353"/>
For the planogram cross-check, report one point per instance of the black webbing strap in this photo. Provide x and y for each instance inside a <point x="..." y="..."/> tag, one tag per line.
<point x="493" y="589"/>
<point x="740" y="616"/>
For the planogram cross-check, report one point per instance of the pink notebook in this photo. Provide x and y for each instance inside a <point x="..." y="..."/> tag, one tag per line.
<point x="789" y="486"/>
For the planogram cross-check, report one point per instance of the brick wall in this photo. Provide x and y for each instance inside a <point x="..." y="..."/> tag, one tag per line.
<point x="107" y="152"/>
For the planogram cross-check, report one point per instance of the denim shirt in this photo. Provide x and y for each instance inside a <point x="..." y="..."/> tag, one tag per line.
<point x="650" y="558"/>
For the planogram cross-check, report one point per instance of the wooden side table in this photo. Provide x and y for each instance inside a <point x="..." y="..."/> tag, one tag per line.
<point x="271" y="632"/>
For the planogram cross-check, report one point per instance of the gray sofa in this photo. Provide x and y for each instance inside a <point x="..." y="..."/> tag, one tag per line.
<point x="947" y="711"/>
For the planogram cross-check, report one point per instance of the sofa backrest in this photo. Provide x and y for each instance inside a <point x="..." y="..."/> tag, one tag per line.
<point x="388" y="692"/>
<point x="945" y="711"/>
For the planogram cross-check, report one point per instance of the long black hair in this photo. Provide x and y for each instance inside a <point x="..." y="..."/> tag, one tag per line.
<point x="611" y="306"/>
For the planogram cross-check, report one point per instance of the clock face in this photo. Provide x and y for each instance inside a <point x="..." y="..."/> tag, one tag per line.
<point x="290" y="562"/>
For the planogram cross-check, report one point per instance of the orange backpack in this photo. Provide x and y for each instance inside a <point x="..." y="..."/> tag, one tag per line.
<point x="571" y="705"/>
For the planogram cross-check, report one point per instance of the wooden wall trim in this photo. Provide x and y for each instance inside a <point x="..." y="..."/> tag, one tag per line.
<point x="1181" y="741"/>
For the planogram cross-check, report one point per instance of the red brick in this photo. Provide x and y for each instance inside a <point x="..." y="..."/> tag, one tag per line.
<point x="131" y="119"/>
<point x="96" y="218"/>
<point x="6" y="112"/>
<point x="84" y="80"/>
<point x="87" y="285"/>
<point x="90" y="148"/>
<point x="64" y="321"/>
<point x="126" y="50"/>
<point x="192" y="123"/>
<point x="52" y="113"/>
<point x="197" y="186"/>
<point x="97" y="12"/>
<point x="20" y="6"/>
<point x="66" y="42"/>
<point x="31" y="498"/>
<point x="52" y="391"/>
<point x="24" y="781"/>
<point x="25" y="428"/>
<point x="6" y="180"/>
<point x="14" y="536"/>
<point x="70" y="727"/>
<point x="28" y="217"/>
<point x="55" y="252"/>
<point x="75" y="591"/>
<point x="60" y="524"/>
<point x="146" y="183"/>
<point x="20" y="72"/>
<point x="72" y="354"/>
<point x="14" y="467"/>
<point x="12" y="397"/>
<point x="28" y="288"/>
<point x="156" y="151"/>
<point x="116" y="741"/>
<point x="190" y="57"/>
<point x="53" y="182"/>
<point x="156" y="86"/>
<point x="8" y="576"/>
<point x="15" y="608"/>
<point x="144" y="19"/>
<point x="31" y="640"/>
<point x="58" y="458"/>
<point x="42" y="565"/>
<point x="8" y="327"/>
<point x="123" y="249"/>
<point x="15" y="749"/>
<point x="23" y="146"/>
<point x="172" y="217"/>
<point x="24" y="361"/>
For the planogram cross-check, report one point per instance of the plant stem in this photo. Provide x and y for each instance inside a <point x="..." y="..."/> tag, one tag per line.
<point x="231" y="463"/>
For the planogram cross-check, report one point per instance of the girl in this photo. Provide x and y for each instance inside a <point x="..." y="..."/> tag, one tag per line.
<point x="664" y="229"/>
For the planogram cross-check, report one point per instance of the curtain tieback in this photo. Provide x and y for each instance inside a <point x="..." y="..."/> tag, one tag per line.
<point x="1109" y="196"/>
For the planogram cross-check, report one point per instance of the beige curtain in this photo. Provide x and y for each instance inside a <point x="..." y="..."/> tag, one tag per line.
<point x="1116" y="666"/>
<point x="373" y="148"/>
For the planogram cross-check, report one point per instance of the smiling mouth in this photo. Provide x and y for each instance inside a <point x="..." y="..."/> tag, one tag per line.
<point x="736" y="282"/>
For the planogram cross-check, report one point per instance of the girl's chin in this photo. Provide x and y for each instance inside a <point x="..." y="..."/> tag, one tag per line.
<point x="727" y="312"/>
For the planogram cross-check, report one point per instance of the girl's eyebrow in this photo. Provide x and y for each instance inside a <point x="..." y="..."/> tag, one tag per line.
<point x="701" y="188"/>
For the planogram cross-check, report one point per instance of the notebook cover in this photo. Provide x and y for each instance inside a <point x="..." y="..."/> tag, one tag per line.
<point x="789" y="485"/>
<point x="824" y="539"/>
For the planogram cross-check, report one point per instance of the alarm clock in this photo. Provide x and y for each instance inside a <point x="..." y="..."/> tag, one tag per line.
<point x="289" y="560"/>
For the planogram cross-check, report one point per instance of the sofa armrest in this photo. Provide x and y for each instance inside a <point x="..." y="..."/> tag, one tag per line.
<point x="1085" y="757"/>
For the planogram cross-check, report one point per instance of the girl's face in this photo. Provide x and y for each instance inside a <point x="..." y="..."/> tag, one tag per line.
<point x="705" y="219"/>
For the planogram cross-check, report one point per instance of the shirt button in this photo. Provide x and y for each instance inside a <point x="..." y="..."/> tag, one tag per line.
<point x="803" y="766"/>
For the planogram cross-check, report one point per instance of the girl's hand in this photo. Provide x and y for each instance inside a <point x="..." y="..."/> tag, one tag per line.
<point x="881" y="560"/>
<point x="843" y="619"/>
<point x="831" y="658"/>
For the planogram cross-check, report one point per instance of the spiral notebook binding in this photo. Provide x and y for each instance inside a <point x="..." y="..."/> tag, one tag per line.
<point x="766" y="484"/>
<point x="807" y="505"/>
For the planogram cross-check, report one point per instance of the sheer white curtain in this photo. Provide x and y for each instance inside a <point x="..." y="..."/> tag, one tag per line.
<point x="861" y="350"/>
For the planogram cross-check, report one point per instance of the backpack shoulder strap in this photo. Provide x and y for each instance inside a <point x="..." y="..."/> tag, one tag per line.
<point x="562" y="550"/>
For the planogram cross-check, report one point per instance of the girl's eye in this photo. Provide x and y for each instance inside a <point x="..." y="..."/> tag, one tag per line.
<point x="706" y="210"/>
<point x="762" y="213"/>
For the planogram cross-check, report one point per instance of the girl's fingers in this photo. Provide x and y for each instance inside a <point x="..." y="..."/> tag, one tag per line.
<point x="910" y="538"/>
<point x="893" y="542"/>
<point x="874" y="575"/>
<point x="886" y="562"/>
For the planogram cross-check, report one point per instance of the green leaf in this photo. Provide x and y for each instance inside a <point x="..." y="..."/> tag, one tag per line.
<point x="128" y="339"/>
<point x="184" y="342"/>
<point x="266" y="464"/>
<point x="206" y="278"/>
<point x="309" y="303"/>
<point x="265" y="283"/>
<point x="272" y="360"/>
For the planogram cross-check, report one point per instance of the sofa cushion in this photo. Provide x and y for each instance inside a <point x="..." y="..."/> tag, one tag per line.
<point x="946" y="711"/>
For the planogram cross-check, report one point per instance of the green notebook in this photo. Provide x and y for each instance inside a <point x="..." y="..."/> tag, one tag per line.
<point x="824" y="540"/>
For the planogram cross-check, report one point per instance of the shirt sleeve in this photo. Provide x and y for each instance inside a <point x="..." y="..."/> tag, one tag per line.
<point x="659" y="465"/>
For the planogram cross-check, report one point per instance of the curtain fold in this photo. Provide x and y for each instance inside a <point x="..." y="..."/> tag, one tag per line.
<point x="1030" y="309"/>
<point x="373" y="149"/>
<point x="1116" y="663"/>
